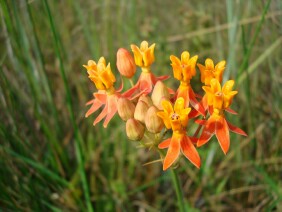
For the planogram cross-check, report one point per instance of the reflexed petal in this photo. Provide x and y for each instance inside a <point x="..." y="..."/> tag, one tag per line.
<point x="163" y="77"/>
<point x="131" y="91"/>
<point x="194" y="102"/>
<point x="200" y="122"/>
<point x="165" y="144"/>
<point x="172" y="152"/>
<point x="229" y="110"/>
<point x="208" y="131"/>
<point x="90" y="102"/>
<point x="101" y="97"/>
<point x="190" y="152"/>
<point x="194" y="140"/>
<point x="95" y="106"/>
<point x="222" y="134"/>
<point x="101" y="115"/>
<point x="236" y="129"/>
<point x="109" y="117"/>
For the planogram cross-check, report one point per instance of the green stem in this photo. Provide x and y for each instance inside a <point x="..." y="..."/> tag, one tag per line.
<point x="131" y="82"/>
<point x="178" y="190"/>
<point x="177" y="186"/>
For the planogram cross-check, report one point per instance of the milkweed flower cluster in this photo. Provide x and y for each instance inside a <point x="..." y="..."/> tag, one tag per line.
<point x="150" y="108"/>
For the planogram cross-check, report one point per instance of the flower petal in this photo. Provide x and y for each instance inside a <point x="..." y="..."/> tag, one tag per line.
<point x="101" y="115"/>
<point x="229" y="110"/>
<point x="95" y="106"/>
<point x="179" y="105"/>
<point x="208" y="131"/>
<point x="236" y="129"/>
<point x="109" y="117"/>
<point x="165" y="144"/>
<point x="194" y="102"/>
<point x="222" y="134"/>
<point x="101" y="97"/>
<point x="190" y="152"/>
<point x="167" y="107"/>
<point x="137" y="55"/>
<point x="172" y="152"/>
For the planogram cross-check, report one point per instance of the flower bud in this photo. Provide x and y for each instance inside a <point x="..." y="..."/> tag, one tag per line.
<point x="140" y="111"/>
<point x="125" y="63"/>
<point x="153" y="122"/>
<point x="159" y="93"/>
<point x="146" y="99"/>
<point x="125" y="109"/>
<point x="134" y="130"/>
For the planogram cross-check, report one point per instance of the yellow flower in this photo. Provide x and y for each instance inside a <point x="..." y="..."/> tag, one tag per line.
<point x="184" y="69"/>
<point x="209" y="72"/>
<point x="175" y="117"/>
<point x="143" y="56"/>
<point x="219" y="98"/>
<point x="100" y="74"/>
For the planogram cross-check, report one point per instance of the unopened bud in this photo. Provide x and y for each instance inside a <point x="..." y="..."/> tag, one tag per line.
<point x="134" y="130"/>
<point x="146" y="99"/>
<point x="153" y="122"/>
<point x="125" y="109"/>
<point x="140" y="111"/>
<point x="160" y="92"/>
<point x="125" y="63"/>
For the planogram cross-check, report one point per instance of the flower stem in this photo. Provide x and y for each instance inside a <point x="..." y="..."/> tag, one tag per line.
<point x="178" y="190"/>
<point x="131" y="82"/>
<point x="177" y="186"/>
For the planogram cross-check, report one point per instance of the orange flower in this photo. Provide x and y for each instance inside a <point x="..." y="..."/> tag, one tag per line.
<point x="177" y="118"/>
<point x="144" y="57"/>
<point x="103" y="79"/>
<point x="209" y="72"/>
<point x="100" y="74"/>
<point x="220" y="99"/>
<point x="184" y="70"/>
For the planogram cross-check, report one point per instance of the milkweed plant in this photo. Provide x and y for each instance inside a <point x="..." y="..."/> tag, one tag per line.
<point x="151" y="110"/>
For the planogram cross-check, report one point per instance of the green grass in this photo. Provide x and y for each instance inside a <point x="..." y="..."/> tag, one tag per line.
<point x="53" y="159"/>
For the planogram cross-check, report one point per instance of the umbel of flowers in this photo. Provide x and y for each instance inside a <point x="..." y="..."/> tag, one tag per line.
<point x="149" y="108"/>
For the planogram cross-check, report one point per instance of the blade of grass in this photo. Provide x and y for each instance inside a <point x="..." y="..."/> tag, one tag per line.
<point x="232" y="17"/>
<point x="78" y="139"/>
<point x="260" y="60"/>
<point x="91" y="38"/>
<point x="42" y="169"/>
<point x="252" y="43"/>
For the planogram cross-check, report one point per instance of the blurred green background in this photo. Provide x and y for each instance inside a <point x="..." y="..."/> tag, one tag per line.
<point x="53" y="159"/>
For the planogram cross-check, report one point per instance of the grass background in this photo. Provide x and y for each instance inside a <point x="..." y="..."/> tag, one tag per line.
<point x="53" y="159"/>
